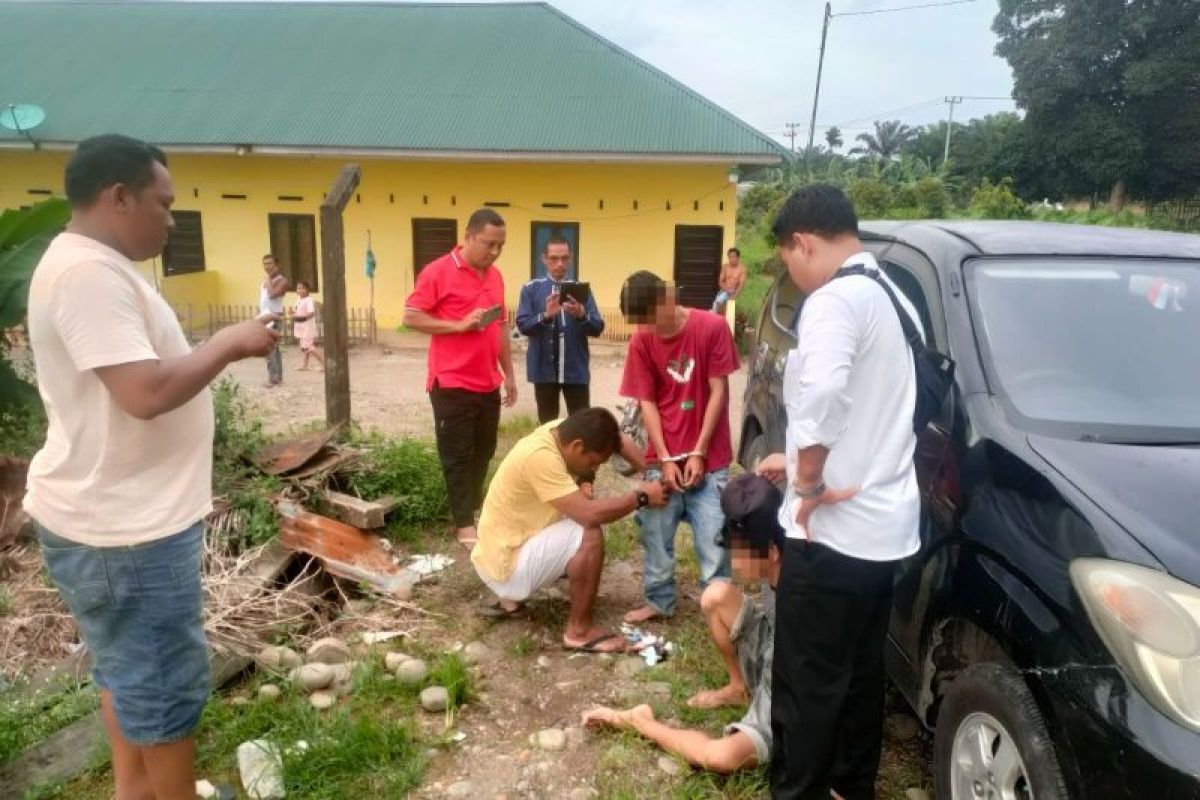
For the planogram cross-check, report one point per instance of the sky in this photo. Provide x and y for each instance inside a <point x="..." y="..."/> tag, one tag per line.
<point x="758" y="58"/>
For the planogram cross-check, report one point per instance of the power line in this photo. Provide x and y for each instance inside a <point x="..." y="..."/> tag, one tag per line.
<point x="792" y="129"/>
<point x="902" y="8"/>
<point x="877" y="115"/>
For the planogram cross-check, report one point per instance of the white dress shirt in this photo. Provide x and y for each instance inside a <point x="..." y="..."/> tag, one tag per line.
<point x="849" y="386"/>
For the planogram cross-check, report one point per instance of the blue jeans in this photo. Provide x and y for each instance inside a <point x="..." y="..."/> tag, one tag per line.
<point x="701" y="507"/>
<point x="140" y="610"/>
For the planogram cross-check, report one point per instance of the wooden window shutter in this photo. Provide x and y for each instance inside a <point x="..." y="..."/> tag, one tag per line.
<point x="184" y="252"/>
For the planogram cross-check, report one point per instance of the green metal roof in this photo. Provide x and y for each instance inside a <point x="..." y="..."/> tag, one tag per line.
<point x="454" y="78"/>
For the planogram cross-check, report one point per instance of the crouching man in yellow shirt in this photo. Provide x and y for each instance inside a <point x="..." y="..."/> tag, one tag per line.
<point x="537" y="524"/>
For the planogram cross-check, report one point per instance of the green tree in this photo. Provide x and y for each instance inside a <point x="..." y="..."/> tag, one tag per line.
<point x="888" y="141"/>
<point x="1111" y="91"/>
<point x="833" y="138"/>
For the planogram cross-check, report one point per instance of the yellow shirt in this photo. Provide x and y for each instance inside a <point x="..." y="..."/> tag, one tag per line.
<point x="518" y="506"/>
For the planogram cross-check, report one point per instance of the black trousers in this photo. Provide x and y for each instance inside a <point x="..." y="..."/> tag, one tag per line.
<point x="827" y="690"/>
<point x="576" y="395"/>
<point x="466" y="424"/>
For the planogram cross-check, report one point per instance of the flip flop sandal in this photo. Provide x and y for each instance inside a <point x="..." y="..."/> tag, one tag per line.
<point x="494" y="610"/>
<point x="591" y="646"/>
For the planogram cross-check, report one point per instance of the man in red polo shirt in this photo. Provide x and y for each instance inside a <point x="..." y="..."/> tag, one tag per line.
<point x="459" y="301"/>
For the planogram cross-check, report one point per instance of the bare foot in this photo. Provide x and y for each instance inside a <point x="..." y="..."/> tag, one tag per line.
<point x="595" y="640"/>
<point x="728" y="695"/>
<point x="467" y="537"/>
<point x="643" y="614"/>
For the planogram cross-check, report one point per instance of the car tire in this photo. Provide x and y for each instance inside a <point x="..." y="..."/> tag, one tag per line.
<point x="991" y="740"/>
<point x="756" y="452"/>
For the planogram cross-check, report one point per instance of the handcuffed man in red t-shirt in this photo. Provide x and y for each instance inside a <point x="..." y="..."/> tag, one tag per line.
<point x="678" y="367"/>
<point x="459" y="301"/>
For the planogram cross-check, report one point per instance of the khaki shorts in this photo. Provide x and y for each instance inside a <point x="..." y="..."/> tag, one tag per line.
<point x="541" y="561"/>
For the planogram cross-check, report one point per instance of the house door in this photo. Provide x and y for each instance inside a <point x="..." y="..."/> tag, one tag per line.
<point x="432" y="238"/>
<point x="697" y="264"/>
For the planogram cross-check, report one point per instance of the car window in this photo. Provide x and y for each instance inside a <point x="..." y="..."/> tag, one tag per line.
<point x="785" y="304"/>
<point x="908" y="283"/>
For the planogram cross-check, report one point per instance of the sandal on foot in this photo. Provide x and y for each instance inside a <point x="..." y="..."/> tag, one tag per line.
<point x="496" y="610"/>
<point x="592" y="645"/>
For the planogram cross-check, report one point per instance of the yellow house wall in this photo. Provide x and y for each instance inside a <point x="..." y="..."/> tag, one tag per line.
<point x="614" y="240"/>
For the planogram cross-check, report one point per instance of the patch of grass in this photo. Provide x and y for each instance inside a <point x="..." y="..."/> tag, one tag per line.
<point x="522" y="646"/>
<point x="407" y="469"/>
<point x="25" y="722"/>
<point x="6" y="601"/>
<point x="238" y="435"/>
<point x="517" y="426"/>
<point x="621" y="540"/>
<point x="22" y="430"/>
<point x="452" y="672"/>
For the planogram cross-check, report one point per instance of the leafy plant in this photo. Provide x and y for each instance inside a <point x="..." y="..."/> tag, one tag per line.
<point x="997" y="201"/>
<point x="22" y="430"/>
<point x="407" y="469"/>
<point x="238" y="435"/>
<point x="24" y="236"/>
<point x="871" y="197"/>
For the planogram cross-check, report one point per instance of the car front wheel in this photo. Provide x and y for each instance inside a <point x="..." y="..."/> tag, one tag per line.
<point x="991" y="741"/>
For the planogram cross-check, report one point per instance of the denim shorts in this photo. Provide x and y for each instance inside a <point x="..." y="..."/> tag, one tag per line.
<point x="139" y="610"/>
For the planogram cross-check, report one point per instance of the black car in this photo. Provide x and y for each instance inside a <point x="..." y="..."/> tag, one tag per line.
<point x="1049" y="628"/>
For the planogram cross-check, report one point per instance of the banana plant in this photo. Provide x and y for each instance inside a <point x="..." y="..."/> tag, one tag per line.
<point x="24" y="236"/>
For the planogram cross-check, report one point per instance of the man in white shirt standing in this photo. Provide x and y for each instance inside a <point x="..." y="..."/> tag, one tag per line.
<point x="119" y="491"/>
<point x="851" y="508"/>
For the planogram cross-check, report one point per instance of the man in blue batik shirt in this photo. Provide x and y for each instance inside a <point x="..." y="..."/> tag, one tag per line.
<point x="558" y="328"/>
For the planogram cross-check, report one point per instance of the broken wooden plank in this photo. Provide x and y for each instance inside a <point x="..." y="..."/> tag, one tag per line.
<point x="365" y="514"/>
<point x="287" y="456"/>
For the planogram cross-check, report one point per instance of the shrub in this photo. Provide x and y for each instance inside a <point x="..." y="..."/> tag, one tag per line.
<point x="871" y="197"/>
<point x="407" y="469"/>
<point x="22" y="430"/>
<point x="997" y="201"/>
<point x="932" y="197"/>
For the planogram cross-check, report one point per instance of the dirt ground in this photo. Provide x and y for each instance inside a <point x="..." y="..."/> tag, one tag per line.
<point x="387" y="386"/>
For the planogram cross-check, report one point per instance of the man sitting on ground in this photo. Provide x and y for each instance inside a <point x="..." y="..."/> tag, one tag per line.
<point x="743" y="630"/>
<point x="537" y="524"/>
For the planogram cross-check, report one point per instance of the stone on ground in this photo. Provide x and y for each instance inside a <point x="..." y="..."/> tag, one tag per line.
<point x="916" y="794"/>
<point x="277" y="659"/>
<point x="552" y="739"/>
<point x="477" y="653"/>
<point x="462" y="789"/>
<point x="330" y="650"/>
<point x="269" y="691"/>
<point x="412" y="672"/>
<point x="393" y="660"/>
<point x="669" y="765"/>
<point x="575" y="736"/>
<point x="322" y="700"/>
<point x="435" y="698"/>
<point x="261" y="768"/>
<point x="543" y="662"/>
<point x="205" y="790"/>
<point x="311" y="677"/>
<point x="629" y="666"/>
<point x="342" y="673"/>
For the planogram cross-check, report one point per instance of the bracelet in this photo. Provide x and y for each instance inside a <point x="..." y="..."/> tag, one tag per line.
<point x="811" y="493"/>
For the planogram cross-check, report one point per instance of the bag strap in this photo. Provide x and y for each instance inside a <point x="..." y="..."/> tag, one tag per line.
<point x="906" y="323"/>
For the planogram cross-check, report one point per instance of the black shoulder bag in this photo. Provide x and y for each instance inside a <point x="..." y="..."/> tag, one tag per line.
<point x="934" y="371"/>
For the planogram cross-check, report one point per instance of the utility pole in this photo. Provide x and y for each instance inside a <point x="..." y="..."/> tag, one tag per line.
<point x="792" y="129"/>
<point x="812" y="125"/>
<point x="953" y="101"/>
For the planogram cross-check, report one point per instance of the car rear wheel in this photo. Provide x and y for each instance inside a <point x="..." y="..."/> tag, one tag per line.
<point x="991" y="741"/>
<point x="756" y="452"/>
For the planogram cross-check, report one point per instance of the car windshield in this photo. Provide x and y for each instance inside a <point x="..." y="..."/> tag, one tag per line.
<point x="1105" y="349"/>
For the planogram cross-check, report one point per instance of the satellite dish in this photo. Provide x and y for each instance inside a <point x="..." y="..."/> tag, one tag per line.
<point x="21" y="118"/>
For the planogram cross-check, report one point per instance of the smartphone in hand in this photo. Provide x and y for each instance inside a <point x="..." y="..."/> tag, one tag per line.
<point x="489" y="316"/>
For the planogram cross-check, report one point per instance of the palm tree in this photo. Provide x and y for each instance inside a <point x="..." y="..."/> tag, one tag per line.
<point x="833" y="138"/>
<point x="887" y="143"/>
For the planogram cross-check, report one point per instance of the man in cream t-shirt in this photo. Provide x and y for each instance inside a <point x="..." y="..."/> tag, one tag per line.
<point x="120" y="489"/>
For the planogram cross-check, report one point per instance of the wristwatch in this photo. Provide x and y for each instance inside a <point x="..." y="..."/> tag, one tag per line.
<point x="643" y="499"/>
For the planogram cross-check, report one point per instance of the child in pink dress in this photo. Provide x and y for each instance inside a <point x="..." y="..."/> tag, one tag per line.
<point x="304" y="325"/>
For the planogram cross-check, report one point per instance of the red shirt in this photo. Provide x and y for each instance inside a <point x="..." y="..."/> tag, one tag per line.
<point x="448" y="288"/>
<point x="674" y="373"/>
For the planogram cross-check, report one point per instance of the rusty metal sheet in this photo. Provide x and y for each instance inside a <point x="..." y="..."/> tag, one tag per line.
<point x="345" y="550"/>
<point x="287" y="456"/>
<point x="12" y="492"/>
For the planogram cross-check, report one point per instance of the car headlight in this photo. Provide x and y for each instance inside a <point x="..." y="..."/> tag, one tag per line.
<point x="1150" y="622"/>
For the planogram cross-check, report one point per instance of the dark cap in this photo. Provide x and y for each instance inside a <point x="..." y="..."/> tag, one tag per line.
<point x="751" y="507"/>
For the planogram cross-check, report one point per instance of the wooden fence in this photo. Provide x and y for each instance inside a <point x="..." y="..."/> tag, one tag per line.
<point x="360" y="321"/>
